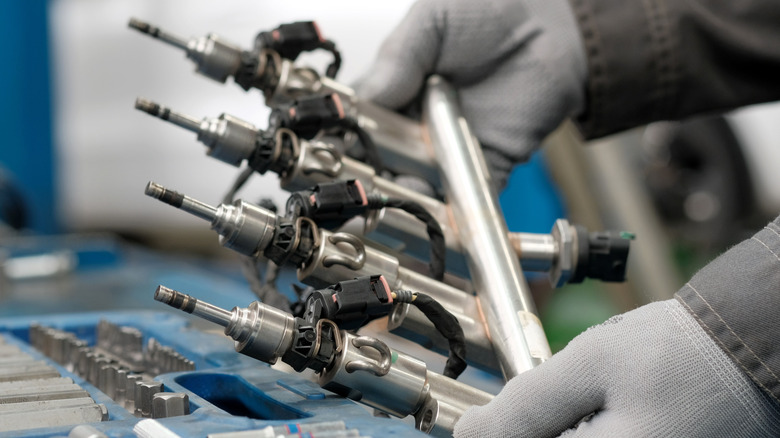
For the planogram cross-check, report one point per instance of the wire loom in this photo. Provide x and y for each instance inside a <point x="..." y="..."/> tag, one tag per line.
<point x="446" y="323"/>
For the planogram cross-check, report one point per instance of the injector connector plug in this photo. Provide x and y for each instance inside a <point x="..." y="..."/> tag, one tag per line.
<point x="329" y="204"/>
<point x="291" y="39"/>
<point x="308" y="115"/>
<point x="351" y="303"/>
<point x="603" y="255"/>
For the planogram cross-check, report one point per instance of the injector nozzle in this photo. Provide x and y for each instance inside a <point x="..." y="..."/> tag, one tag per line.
<point x="228" y="139"/>
<point x="213" y="57"/>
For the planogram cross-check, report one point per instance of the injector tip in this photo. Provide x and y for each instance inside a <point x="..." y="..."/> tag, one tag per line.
<point x="164" y="294"/>
<point x="147" y="106"/>
<point x="139" y="25"/>
<point x="169" y="197"/>
<point x="154" y="190"/>
<point x="175" y="299"/>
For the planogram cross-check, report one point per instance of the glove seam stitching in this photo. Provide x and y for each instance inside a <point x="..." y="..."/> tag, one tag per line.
<point x="723" y="345"/>
<point x="597" y="73"/>
<point x="734" y="383"/>
<point x="768" y="227"/>
<point x="766" y="246"/>
<point x="665" y="63"/>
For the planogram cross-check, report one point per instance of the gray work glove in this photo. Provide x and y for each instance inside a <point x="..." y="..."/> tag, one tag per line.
<point x="651" y="372"/>
<point x="519" y="66"/>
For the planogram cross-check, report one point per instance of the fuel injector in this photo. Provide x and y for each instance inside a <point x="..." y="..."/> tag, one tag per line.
<point x="247" y="228"/>
<point x="265" y="333"/>
<point x="232" y="140"/>
<point x="358" y="367"/>
<point x="218" y="59"/>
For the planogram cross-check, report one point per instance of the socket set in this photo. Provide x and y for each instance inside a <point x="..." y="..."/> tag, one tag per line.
<point x="149" y="374"/>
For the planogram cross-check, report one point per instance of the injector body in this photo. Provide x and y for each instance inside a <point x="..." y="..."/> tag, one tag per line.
<point x="360" y="367"/>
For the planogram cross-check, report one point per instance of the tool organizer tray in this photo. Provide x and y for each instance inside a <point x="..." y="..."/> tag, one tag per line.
<point x="225" y="394"/>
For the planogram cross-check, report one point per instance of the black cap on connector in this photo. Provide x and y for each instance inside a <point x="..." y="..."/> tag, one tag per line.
<point x="602" y="255"/>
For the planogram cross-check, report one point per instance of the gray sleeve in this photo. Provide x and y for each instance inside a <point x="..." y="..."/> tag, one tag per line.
<point x="667" y="59"/>
<point x="736" y="299"/>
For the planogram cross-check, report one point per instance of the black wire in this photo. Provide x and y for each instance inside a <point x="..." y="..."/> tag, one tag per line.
<point x="334" y="67"/>
<point x="447" y="324"/>
<point x="372" y="152"/>
<point x="432" y="226"/>
<point x="266" y="291"/>
<point x="240" y="181"/>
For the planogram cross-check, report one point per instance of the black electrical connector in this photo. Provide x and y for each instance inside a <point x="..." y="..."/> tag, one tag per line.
<point x="314" y="345"/>
<point x="292" y="39"/>
<point x="332" y="204"/>
<point x="309" y="115"/>
<point x="601" y="255"/>
<point x="329" y="204"/>
<point x="351" y="303"/>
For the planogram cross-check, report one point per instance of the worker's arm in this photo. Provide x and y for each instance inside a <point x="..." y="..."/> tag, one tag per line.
<point x="522" y="66"/>
<point x="667" y="59"/>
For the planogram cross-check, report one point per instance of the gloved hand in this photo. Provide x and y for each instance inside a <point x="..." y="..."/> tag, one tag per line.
<point x="519" y="66"/>
<point x="649" y="372"/>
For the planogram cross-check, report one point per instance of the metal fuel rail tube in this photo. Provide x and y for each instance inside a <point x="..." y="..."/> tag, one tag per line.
<point x="503" y="292"/>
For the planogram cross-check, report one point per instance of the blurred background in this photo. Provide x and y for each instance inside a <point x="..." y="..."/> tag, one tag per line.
<point x="76" y="156"/>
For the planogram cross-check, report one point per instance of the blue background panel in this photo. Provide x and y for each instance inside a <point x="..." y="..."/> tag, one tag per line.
<point x="26" y="123"/>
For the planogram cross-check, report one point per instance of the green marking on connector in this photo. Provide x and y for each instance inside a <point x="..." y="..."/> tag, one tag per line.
<point x="627" y="235"/>
<point x="393" y="357"/>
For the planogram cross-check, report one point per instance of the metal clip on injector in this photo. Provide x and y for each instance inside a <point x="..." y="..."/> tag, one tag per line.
<point x="356" y="366"/>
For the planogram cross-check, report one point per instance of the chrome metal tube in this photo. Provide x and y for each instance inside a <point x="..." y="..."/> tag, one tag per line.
<point x="536" y="251"/>
<point x="517" y="335"/>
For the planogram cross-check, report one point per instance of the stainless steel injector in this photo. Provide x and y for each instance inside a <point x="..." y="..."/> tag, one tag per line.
<point x="360" y="367"/>
<point x="323" y="258"/>
<point x="568" y="254"/>
<point x="400" y="140"/>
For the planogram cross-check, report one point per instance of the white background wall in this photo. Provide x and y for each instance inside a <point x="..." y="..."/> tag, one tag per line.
<point x="107" y="150"/>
